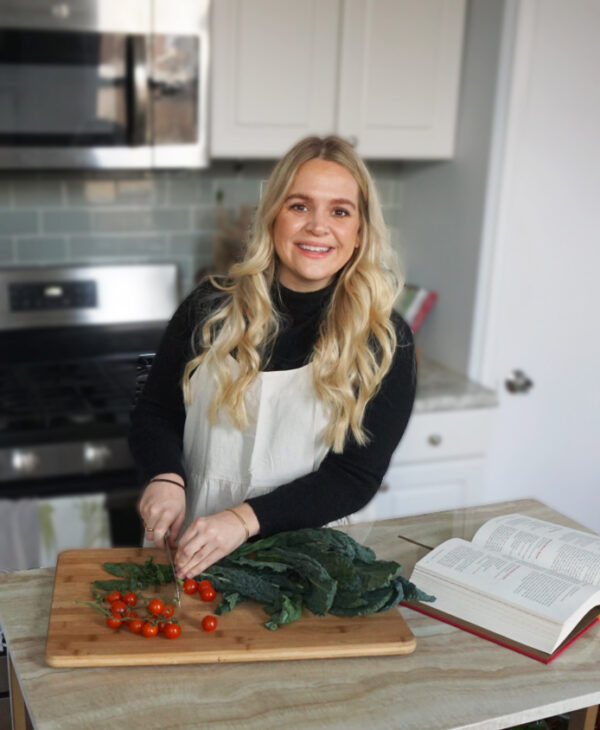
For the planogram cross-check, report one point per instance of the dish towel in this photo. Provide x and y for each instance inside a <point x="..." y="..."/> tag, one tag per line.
<point x="34" y="531"/>
<point x="71" y="522"/>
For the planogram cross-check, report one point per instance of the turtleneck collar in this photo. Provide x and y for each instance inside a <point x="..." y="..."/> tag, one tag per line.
<point x="300" y="305"/>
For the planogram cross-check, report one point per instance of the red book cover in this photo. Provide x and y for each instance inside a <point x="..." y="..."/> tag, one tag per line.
<point x="584" y="625"/>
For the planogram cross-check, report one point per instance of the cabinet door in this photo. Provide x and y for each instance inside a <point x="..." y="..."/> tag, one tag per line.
<point x="274" y="74"/>
<point x="399" y="76"/>
<point x="421" y="488"/>
<point x="442" y="435"/>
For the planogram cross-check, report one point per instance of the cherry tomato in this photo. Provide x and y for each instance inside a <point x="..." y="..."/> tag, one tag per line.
<point x="172" y="631"/>
<point x="136" y="625"/>
<point x="113" y="596"/>
<point x="130" y="598"/>
<point x="169" y="610"/>
<point x="118" y="608"/>
<point x="132" y="614"/>
<point x="149" y="629"/>
<point x="209" y="623"/>
<point x="190" y="586"/>
<point x="204" y="584"/>
<point x="161" y="626"/>
<point x="156" y="606"/>
<point x="113" y="623"/>
<point x="208" y="594"/>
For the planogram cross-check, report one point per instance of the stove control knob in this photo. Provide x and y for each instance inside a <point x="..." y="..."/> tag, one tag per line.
<point x="25" y="462"/>
<point x="96" y="455"/>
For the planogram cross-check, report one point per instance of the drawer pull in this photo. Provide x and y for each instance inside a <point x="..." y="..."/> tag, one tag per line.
<point x="434" y="440"/>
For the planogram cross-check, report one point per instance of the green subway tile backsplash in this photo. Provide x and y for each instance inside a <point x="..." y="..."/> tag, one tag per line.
<point x="83" y="248"/>
<point x="136" y="220"/>
<point x="138" y="191"/>
<point x="66" y="221"/>
<point x="41" y="250"/>
<point x="6" y="249"/>
<point x="138" y="216"/>
<point x="18" y="221"/>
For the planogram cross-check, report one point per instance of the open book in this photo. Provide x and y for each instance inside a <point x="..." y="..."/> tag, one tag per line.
<point x="522" y="582"/>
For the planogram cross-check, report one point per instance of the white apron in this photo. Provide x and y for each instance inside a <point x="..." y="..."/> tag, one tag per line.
<point x="284" y="441"/>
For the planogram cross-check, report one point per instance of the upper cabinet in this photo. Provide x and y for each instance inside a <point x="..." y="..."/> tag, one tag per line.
<point x="384" y="73"/>
<point x="274" y="77"/>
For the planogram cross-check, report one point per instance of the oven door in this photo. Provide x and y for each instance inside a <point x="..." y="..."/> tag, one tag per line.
<point x="88" y="84"/>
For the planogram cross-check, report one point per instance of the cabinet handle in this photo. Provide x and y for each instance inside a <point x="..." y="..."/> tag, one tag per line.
<point x="385" y="487"/>
<point x="434" y="440"/>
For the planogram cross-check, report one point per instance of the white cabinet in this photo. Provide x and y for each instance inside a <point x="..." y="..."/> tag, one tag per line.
<point x="438" y="464"/>
<point x="274" y="74"/>
<point x="399" y="76"/>
<point x="385" y="72"/>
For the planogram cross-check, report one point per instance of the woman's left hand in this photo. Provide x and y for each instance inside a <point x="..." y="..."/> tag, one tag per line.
<point x="208" y="539"/>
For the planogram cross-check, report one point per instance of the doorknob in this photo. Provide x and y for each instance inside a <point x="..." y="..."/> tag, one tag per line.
<point x="518" y="382"/>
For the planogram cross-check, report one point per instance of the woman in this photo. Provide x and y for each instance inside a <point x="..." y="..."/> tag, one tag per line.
<point x="279" y="394"/>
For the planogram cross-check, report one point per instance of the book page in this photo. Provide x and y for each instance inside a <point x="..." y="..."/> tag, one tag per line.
<point x="507" y="579"/>
<point x="563" y="550"/>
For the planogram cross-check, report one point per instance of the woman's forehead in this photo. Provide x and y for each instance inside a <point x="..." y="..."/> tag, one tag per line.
<point x="324" y="179"/>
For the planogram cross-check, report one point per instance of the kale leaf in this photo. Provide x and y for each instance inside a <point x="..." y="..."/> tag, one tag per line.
<point x="320" y="569"/>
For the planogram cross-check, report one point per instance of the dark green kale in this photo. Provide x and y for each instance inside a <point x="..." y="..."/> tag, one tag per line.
<point x="135" y="577"/>
<point x="323" y="570"/>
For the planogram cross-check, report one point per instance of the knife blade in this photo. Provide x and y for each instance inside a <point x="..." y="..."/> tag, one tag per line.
<point x="172" y="563"/>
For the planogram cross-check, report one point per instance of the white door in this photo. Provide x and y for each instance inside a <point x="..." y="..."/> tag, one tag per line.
<point x="539" y="295"/>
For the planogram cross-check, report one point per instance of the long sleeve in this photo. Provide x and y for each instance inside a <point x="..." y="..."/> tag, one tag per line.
<point x="157" y="421"/>
<point x="346" y="482"/>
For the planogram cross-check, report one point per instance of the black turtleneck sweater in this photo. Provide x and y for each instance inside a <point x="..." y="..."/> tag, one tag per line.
<point x="344" y="482"/>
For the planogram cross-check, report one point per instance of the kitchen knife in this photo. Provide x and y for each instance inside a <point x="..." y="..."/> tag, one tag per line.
<point x="172" y="563"/>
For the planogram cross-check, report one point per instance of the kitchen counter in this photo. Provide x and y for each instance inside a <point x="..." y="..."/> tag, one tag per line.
<point x="452" y="680"/>
<point x="442" y="389"/>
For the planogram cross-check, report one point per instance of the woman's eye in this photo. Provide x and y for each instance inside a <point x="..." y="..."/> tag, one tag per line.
<point x="297" y="206"/>
<point x="341" y="212"/>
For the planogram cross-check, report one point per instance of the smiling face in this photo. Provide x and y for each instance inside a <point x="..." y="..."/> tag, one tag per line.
<point x="317" y="228"/>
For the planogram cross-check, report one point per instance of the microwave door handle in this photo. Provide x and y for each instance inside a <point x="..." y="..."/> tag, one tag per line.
<point x="137" y="78"/>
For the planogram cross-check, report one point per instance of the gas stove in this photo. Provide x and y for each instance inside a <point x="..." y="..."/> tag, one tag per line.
<point x="71" y="340"/>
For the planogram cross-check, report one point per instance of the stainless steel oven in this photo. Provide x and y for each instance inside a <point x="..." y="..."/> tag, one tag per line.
<point x="70" y="344"/>
<point x="104" y="83"/>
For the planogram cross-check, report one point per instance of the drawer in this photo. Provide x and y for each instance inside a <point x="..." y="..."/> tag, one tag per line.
<point x="420" y="488"/>
<point x="444" y="435"/>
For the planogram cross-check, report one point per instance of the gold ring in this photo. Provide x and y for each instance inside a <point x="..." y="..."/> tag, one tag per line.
<point x="148" y="529"/>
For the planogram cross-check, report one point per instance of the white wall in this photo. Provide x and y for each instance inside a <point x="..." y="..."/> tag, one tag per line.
<point x="443" y="204"/>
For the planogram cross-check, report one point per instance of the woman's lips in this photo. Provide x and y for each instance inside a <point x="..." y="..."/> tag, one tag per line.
<point x="314" y="250"/>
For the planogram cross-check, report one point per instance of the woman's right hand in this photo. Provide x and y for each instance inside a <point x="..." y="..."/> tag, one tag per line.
<point x="162" y="508"/>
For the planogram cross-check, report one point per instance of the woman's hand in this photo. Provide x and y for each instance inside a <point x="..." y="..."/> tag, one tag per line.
<point x="208" y="539"/>
<point x="162" y="508"/>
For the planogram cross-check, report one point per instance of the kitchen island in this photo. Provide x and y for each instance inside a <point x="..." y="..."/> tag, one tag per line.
<point x="452" y="680"/>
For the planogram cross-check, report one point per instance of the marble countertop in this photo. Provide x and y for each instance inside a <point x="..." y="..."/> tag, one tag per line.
<point x="452" y="680"/>
<point x="442" y="389"/>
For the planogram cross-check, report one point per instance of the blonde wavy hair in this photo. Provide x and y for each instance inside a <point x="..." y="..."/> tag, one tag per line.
<point x="356" y="340"/>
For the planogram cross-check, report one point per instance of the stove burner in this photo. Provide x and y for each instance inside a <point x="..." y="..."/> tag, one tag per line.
<point x="41" y="397"/>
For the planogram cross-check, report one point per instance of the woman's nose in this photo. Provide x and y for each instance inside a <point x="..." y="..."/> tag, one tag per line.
<point x="317" y="222"/>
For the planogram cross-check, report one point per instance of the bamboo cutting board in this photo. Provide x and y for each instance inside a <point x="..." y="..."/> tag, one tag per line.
<point x="79" y="637"/>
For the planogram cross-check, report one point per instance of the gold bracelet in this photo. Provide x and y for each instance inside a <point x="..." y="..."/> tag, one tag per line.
<point x="241" y="519"/>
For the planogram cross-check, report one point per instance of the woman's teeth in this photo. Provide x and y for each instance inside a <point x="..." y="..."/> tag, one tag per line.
<point x="318" y="249"/>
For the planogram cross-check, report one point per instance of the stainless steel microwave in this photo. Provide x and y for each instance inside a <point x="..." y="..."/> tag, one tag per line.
<point x="104" y="83"/>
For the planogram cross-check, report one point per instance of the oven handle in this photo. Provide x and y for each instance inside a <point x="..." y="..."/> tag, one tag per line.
<point x="138" y="89"/>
